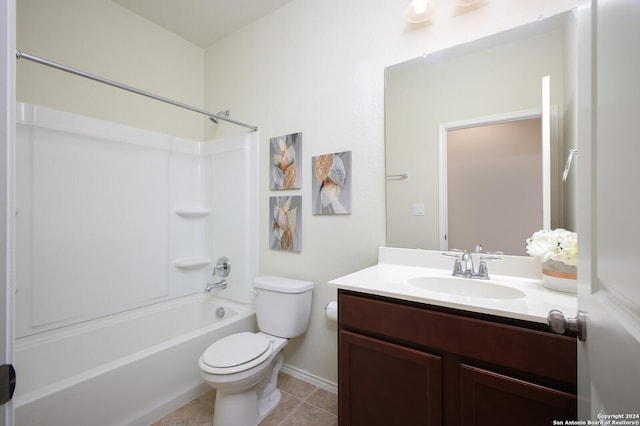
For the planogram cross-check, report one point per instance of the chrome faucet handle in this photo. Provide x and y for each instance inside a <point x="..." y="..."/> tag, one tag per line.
<point x="457" y="256"/>
<point x="464" y="263"/>
<point x="483" y="272"/>
<point x="478" y="249"/>
<point x="457" y="266"/>
<point x="490" y="257"/>
<point x="223" y="267"/>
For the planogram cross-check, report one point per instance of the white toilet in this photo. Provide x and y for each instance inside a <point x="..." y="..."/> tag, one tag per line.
<point x="244" y="367"/>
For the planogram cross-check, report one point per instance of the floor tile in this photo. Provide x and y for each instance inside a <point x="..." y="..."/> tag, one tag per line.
<point x="296" y="387"/>
<point x="323" y="399"/>
<point x="195" y="413"/>
<point x="209" y="397"/>
<point x="308" y="415"/>
<point x="287" y="405"/>
<point x="302" y="404"/>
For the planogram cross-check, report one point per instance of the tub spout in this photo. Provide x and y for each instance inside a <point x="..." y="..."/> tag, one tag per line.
<point x="210" y="286"/>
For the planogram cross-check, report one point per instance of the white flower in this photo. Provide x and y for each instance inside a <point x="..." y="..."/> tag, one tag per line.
<point x="558" y="244"/>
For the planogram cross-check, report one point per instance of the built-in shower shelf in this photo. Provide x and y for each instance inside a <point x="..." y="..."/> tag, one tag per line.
<point x="192" y="262"/>
<point x="193" y="211"/>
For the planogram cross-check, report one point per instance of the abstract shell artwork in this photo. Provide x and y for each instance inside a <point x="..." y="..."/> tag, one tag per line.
<point x="332" y="184"/>
<point x="285" y="161"/>
<point x="286" y="223"/>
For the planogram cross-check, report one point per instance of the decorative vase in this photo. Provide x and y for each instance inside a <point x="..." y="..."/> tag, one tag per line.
<point x="559" y="276"/>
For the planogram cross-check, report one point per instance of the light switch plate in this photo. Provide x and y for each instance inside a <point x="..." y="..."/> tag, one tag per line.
<point x="418" y="209"/>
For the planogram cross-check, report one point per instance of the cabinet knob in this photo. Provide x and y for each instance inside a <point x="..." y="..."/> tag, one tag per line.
<point x="559" y="323"/>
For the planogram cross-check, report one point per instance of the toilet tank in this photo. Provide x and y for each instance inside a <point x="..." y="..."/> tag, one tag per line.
<point x="283" y="305"/>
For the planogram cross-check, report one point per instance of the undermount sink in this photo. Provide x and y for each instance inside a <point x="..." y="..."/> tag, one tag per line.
<point x="466" y="287"/>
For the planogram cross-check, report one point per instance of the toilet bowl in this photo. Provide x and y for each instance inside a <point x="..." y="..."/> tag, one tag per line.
<point x="244" y="367"/>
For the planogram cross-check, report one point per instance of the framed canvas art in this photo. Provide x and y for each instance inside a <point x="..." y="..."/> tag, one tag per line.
<point x="331" y="183"/>
<point x="285" y="217"/>
<point x="285" y="171"/>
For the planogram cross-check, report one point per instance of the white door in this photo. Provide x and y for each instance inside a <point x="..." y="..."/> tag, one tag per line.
<point x="609" y="202"/>
<point x="7" y="130"/>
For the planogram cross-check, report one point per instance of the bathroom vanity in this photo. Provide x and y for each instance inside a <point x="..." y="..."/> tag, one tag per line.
<point x="410" y="355"/>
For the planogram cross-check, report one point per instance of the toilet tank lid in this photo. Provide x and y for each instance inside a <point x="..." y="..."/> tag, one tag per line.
<point x="282" y="284"/>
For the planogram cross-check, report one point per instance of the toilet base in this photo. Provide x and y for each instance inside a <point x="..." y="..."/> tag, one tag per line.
<point x="236" y="409"/>
<point x="267" y="405"/>
<point x="251" y="407"/>
<point x="243" y="409"/>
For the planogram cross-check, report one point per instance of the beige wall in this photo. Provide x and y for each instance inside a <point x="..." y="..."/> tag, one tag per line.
<point x="318" y="68"/>
<point x="313" y="67"/>
<point x="101" y="37"/>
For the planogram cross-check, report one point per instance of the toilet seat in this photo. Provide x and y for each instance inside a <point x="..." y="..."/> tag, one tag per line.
<point x="237" y="352"/>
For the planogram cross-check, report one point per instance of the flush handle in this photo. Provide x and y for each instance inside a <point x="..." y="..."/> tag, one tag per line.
<point x="559" y="323"/>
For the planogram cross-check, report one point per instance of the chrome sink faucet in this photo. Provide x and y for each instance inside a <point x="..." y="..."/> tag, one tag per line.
<point x="466" y="262"/>
<point x="463" y="266"/>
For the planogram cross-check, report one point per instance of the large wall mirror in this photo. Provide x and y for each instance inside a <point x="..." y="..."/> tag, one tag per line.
<point x="476" y="139"/>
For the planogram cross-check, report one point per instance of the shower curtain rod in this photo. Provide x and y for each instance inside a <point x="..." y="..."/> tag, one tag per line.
<point x="23" y="55"/>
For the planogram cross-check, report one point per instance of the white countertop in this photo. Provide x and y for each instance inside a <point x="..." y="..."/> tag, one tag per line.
<point x="390" y="279"/>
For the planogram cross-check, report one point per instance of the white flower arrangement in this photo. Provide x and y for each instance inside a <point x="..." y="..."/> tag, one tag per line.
<point x="558" y="244"/>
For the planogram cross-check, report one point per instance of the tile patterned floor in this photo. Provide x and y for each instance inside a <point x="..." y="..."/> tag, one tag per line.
<point x="302" y="404"/>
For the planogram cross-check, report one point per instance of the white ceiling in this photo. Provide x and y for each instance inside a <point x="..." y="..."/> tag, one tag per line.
<point x="202" y="22"/>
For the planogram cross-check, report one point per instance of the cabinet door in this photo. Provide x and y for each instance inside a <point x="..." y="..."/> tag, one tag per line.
<point x="386" y="384"/>
<point x="492" y="399"/>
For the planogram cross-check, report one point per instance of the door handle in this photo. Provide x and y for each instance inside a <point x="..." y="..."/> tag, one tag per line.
<point x="7" y="383"/>
<point x="559" y="323"/>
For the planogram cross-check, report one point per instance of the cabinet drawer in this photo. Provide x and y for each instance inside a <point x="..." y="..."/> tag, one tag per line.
<point x="531" y="351"/>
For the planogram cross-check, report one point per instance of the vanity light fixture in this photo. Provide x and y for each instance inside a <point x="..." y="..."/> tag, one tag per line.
<point x="419" y="11"/>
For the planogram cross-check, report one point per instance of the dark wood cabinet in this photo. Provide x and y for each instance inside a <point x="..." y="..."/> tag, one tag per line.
<point x="404" y="363"/>
<point x="489" y="399"/>
<point x="390" y="384"/>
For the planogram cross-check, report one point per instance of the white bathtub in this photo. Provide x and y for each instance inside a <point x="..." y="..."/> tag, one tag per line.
<point x="127" y="369"/>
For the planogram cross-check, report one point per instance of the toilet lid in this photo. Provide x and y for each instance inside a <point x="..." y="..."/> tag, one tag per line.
<point x="235" y="350"/>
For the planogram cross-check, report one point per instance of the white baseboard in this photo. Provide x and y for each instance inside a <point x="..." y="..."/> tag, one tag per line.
<point x="310" y="378"/>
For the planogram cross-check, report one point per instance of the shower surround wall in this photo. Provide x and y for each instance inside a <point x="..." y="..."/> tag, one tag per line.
<point x="111" y="217"/>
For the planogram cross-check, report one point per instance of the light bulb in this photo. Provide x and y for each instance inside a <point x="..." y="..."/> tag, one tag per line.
<point x="419" y="11"/>
<point x="419" y="7"/>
